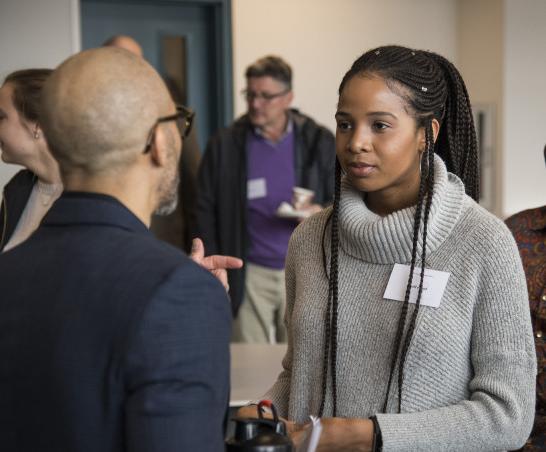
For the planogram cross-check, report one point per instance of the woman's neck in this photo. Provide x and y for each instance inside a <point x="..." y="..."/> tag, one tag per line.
<point x="46" y="169"/>
<point x="385" y="202"/>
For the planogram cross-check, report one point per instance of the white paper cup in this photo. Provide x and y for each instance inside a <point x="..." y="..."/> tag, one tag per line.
<point x="302" y="198"/>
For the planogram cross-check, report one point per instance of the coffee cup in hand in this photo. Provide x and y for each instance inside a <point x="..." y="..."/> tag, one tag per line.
<point x="302" y="198"/>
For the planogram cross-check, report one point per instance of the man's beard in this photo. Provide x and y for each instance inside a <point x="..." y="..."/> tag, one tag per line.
<point x="168" y="190"/>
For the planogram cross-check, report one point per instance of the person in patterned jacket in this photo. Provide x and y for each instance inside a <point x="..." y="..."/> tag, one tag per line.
<point x="529" y="229"/>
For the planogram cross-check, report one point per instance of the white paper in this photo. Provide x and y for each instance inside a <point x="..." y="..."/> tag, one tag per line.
<point x="256" y="188"/>
<point x="312" y="437"/>
<point x="434" y="285"/>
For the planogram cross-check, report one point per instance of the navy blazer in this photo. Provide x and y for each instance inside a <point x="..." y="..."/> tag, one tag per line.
<point x="110" y="340"/>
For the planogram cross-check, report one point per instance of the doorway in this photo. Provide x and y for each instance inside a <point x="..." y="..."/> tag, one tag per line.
<point x="187" y="41"/>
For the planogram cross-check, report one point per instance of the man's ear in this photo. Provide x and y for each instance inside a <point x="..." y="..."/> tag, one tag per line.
<point x="159" y="148"/>
<point x="289" y="98"/>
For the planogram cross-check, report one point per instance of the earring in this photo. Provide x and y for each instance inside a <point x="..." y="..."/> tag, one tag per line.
<point x="36" y="135"/>
<point x="422" y="157"/>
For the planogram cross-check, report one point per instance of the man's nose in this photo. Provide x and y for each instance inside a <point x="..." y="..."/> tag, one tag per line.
<point x="255" y="101"/>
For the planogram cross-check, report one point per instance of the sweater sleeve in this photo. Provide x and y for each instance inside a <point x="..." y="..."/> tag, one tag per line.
<point x="499" y="412"/>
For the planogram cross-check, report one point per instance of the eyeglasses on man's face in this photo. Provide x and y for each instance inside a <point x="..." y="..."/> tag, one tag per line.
<point x="184" y="120"/>
<point x="266" y="97"/>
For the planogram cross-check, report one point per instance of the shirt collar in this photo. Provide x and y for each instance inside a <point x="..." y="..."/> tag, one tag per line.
<point x="93" y="209"/>
<point x="287" y="131"/>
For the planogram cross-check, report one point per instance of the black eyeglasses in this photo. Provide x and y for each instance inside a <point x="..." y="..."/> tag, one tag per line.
<point x="251" y="95"/>
<point x="184" y="120"/>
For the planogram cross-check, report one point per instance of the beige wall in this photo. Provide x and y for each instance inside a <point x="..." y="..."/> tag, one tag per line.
<point x="524" y="129"/>
<point x="480" y="48"/>
<point x="498" y="45"/>
<point x="321" y="38"/>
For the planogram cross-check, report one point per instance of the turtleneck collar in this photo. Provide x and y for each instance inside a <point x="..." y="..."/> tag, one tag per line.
<point x="388" y="240"/>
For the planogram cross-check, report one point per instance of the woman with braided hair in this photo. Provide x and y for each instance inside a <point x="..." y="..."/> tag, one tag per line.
<point x="440" y="361"/>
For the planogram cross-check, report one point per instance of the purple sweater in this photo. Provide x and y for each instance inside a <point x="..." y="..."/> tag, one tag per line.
<point x="270" y="180"/>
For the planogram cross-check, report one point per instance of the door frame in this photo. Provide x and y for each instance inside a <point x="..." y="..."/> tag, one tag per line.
<point x="223" y="49"/>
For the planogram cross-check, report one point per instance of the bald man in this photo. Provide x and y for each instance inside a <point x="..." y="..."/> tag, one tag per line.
<point x="110" y="339"/>
<point x="178" y="227"/>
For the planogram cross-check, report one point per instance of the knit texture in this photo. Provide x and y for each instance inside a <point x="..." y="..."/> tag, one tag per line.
<point x="469" y="380"/>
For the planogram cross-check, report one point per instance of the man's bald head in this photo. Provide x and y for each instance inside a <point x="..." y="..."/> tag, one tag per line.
<point x="99" y="107"/>
<point x="124" y="42"/>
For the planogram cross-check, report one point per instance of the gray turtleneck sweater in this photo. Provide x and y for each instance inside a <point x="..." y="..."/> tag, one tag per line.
<point x="469" y="379"/>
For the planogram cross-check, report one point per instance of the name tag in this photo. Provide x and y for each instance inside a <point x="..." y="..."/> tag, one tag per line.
<point x="256" y="188"/>
<point x="434" y="285"/>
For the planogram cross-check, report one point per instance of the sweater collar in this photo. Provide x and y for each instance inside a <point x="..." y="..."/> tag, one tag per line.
<point x="388" y="240"/>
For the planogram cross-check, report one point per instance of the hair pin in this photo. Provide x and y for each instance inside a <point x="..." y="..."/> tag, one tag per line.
<point x="424" y="89"/>
<point x="413" y="53"/>
<point x="377" y="52"/>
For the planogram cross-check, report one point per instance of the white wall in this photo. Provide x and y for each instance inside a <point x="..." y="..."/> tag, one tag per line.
<point x="321" y="39"/>
<point x="35" y="33"/>
<point x="481" y="62"/>
<point x="524" y="131"/>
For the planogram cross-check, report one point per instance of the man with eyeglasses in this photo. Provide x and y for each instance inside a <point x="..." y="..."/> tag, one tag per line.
<point x="111" y="339"/>
<point x="247" y="171"/>
<point x="175" y="228"/>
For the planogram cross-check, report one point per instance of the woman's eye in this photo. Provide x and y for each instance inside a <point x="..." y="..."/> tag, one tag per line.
<point x="380" y="126"/>
<point x="343" y="125"/>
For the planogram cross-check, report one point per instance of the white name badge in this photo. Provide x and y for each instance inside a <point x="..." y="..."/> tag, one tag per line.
<point x="256" y="188"/>
<point x="434" y="285"/>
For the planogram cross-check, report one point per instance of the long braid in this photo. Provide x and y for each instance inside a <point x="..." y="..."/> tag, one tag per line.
<point x="458" y="146"/>
<point x="429" y="177"/>
<point x="334" y="277"/>
<point x="331" y="307"/>
<point x="405" y="305"/>
<point x="433" y="89"/>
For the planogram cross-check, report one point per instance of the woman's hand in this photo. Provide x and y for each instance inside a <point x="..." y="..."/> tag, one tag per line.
<point x="295" y="431"/>
<point x="338" y="434"/>
<point x="250" y="411"/>
<point x="345" y="434"/>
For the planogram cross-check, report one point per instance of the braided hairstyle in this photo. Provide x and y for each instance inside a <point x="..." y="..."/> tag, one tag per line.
<point x="431" y="88"/>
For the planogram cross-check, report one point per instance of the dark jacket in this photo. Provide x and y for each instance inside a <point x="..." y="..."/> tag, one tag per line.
<point x="110" y="340"/>
<point x="14" y="199"/>
<point x="222" y="185"/>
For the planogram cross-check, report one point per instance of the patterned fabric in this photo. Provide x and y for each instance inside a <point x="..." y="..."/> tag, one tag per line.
<point x="529" y="229"/>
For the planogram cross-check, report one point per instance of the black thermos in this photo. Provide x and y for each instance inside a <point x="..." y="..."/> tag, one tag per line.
<point x="259" y="434"/>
